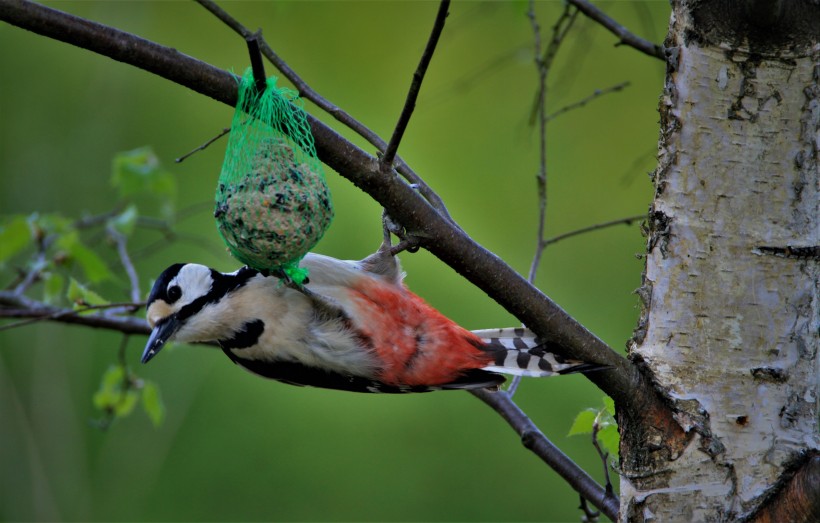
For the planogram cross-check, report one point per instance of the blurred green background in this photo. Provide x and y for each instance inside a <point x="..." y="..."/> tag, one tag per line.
<point x="236" y="447"/>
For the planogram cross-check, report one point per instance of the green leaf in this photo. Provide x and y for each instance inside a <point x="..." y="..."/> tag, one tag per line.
<point x="610" y="439"/>
<point x="93" y="266"/>
<point x="50" y="223"/>
<point x="152" y="403"/>
<point x="110" y="387"/>
<point x="126" y="220"/>
<point x="583" y="422"/>
<point x="15" y="235"/>
<point x="609" y="405"/>
<point x="125" y="403"/>
<point x="114" y="396"/>
<point x="139" y="171"/>
<point x="53" y="284"/>
<point x="81" y="296"/>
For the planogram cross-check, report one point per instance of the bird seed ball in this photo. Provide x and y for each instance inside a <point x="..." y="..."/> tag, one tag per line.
<point x="275" y="213"/>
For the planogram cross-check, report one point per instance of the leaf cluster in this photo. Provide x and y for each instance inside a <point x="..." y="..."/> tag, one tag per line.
<point x="60" y="261"/>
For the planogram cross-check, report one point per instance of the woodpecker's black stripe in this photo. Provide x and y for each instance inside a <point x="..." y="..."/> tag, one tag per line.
<point x="294" y="373"/>
<point x="545" y="365"/>
<point x="520" y="344"/>
<point x="222" y="285"/>
<point x="245" y="337"/>
<point x="522" y="359"/>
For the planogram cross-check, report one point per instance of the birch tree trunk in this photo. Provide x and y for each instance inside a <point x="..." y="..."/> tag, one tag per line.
<point x="731" y="310"/>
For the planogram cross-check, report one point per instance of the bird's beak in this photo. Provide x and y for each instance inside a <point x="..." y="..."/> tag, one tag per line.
<point x="159" y="336"/>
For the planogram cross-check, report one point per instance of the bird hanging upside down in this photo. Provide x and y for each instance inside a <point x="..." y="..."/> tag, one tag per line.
<point x="354" y="326"/>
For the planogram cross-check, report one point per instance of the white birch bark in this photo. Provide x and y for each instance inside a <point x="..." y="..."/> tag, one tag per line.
<point x="730" y="330"/>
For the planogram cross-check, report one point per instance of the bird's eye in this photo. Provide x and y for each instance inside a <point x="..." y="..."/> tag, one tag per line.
<point x="174" y="293"/>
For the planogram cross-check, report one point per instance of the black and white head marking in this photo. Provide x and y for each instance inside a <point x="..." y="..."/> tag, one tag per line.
<point x="182" y="291"/>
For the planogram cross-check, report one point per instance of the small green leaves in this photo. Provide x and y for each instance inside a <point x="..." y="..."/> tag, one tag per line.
<point x="53" y="284"/>
<point x="93" y="266"/>
<point x="152" y="403"/>
<point x="120" y="391"/>
<point x="602" y="423"/>
<point x="82" y="297"/>
<point x="115" y="396"/>
<point x="583" y="422"/>
<point x="139" y="172"/>
<point x="125" y="221"/>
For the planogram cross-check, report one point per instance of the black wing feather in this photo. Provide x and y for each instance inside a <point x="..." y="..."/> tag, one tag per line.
<point x="294" y="373"/>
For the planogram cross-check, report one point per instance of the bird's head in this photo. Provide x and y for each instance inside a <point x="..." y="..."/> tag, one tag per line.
<point x="180" y="293"/>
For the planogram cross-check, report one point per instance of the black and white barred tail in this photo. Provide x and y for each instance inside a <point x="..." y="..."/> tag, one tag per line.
<point x="520" y="352"/>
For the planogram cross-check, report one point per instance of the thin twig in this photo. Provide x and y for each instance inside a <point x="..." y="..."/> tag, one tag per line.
<point x="121" y="241"/>
<point x="590" y="516"/>
<point x="535" y="441"/>
<point x="87" y="222"/>
<point x="203" y="146"/>
<point x="36" y="311"/>
<point x="559" y="32"/>
<point x="543" y="62"/>
<point x="626" y="38"/>
<point x="415" y="85"/>
<point x="257" y="65"/>
<point x="37" y="267"/>
<point x="629" y="220"/>
<point x="602" y="454"/>
<point x="582" y="102"/>
<point x="307" y="92"/>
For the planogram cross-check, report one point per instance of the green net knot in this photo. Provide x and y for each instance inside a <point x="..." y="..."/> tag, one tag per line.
<point x="297" y="274"/>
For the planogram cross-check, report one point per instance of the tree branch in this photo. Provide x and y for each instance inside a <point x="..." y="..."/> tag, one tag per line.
<point x="540" y="445"/>
<point x="28" y="308"/>
<point x="415" y="85"/>
<point x="582" y="102"/>
<point x="618" y="30"/>
<point x="629" y="220"/>
<point x="543" y="64"/>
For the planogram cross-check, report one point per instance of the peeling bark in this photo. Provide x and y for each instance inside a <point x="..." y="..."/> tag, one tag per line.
<point x="729" y="332"/>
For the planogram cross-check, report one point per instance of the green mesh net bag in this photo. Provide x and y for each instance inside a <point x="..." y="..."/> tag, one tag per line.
<point x="272" y="201"/>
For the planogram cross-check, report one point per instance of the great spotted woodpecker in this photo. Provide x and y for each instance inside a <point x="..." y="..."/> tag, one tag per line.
<point x="354" y="326"/>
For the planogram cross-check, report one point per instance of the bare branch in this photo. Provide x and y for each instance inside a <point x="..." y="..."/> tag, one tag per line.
<point x="618" y="30"/>
<point x="543" y="63"/>
<point x="257" y="66"/>
<point x="415" y="85"/>
<point x="629" y="220"/>
<point x="125" y="259"/>
<point x="596" y="427"/>
<point x="15" y="306"/>
<point x="582" y="102"/>
<point x="36" y="267"/>
<point x="203" y="146"/>
<point x="559" y="32"/>
<point x="590" y="516"/>
<point x="535" y="441"/>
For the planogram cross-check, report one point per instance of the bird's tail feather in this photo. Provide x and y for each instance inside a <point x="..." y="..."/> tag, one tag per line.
<point x="519" y="352"/>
